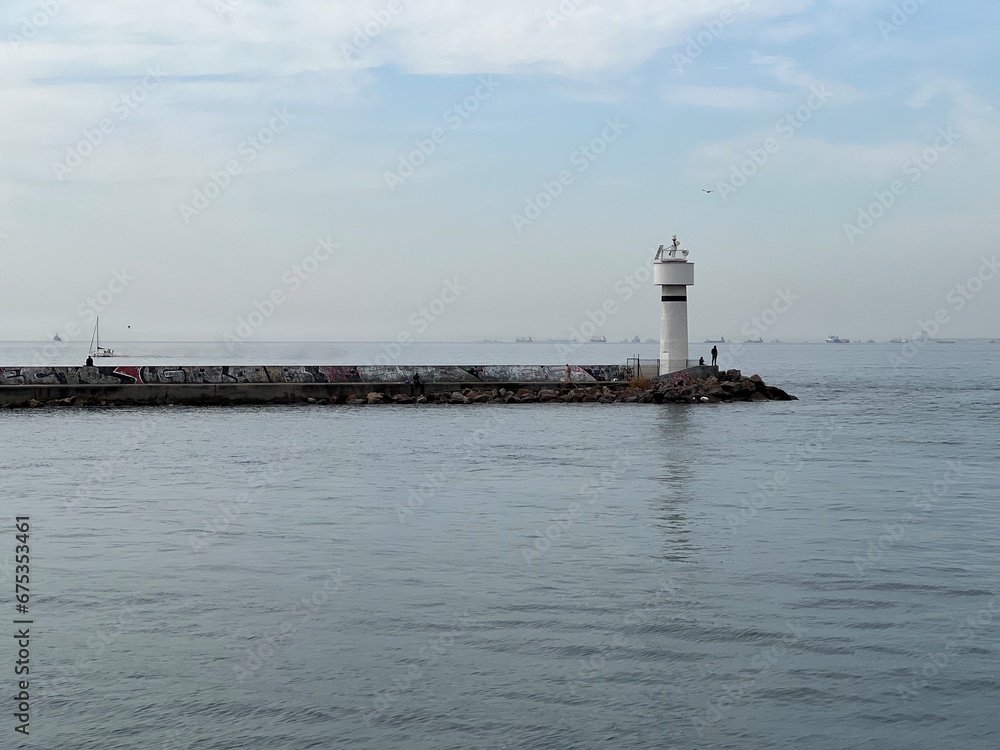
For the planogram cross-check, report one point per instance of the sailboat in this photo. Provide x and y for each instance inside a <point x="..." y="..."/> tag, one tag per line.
<point x="98" y="350"/>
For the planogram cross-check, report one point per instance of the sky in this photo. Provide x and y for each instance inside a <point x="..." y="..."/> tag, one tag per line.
<point x="208" y="170"/>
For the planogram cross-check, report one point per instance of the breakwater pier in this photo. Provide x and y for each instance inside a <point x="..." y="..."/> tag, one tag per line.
<point x="369" y="384"/>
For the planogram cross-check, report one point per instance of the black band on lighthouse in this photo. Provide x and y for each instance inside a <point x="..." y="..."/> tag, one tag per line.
<point x="673" y="298"/>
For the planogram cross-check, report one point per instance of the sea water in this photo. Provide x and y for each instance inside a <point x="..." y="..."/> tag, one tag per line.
<point x="822" y="573"/>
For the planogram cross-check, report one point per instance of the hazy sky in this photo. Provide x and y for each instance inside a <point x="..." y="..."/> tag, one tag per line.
<point x="462" y="169"/>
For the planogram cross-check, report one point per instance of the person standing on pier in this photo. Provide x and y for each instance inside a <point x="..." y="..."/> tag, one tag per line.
<point x="715" y="355"/>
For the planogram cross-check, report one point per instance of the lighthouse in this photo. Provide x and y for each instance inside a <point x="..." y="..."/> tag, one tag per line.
<point x="673" y="273"/>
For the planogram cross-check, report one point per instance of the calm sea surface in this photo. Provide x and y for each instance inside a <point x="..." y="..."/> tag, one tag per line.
<point x="823" y="573"/>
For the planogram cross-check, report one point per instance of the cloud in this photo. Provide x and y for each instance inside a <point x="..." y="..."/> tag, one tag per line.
<point x="722" y="97"/>
<point x="443" y="37"/>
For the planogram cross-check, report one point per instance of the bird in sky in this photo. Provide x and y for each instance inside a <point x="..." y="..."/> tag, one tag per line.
<point x="705" y="191"/>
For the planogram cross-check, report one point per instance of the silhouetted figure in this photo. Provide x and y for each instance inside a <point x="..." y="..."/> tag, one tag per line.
<point x="715" y="355"/>
<point x="418" y="385"/>
<point x="701" y="360"/>
<point x="90" y="361"/>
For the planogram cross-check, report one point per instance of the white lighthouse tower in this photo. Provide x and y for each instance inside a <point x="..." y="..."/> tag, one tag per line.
<point x="673" y="275"/>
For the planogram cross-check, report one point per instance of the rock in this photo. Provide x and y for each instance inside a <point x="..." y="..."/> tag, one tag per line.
<point x="758" y="396"/>
<point x="481" y="398"/>
<point x="457" y="397"/>
<point x="35" y="403"/>
<point x="704" y="399"/>
<point x="402" y="398"/>
<point x="355" y="401"/>
<point x="421" y="399"/>
<point x="779" y="395"/>
<point x="546" y="394"/>
<point x="524" y="392"/>
<point x="376" y="398"/>
<point x="310" y="400"/>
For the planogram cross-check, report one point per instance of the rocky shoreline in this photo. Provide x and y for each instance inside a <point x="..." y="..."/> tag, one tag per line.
<point x="725" y="387"/>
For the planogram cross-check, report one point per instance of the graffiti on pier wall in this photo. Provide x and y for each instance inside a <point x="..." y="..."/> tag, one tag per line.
<point x="223" y="374"/>
<point x="607" y="373"/>
<point x="399" y="374"/>
<point x="525" y="373"/>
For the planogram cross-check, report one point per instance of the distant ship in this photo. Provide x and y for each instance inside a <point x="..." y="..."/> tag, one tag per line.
<point x="56" y="337"/>
<point x="524" y="340"/>
<point x="898" y="341"/>
<point x="834" y="339"/>
<point x="754" y="341"/>
<point x="598" y="339"/>
<point x="720" y="340"/>
<point x="944" y="341"/>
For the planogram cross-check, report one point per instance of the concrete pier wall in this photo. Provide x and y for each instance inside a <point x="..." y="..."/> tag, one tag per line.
<point x="242" y="384"/>
<point x="236" y="374"/>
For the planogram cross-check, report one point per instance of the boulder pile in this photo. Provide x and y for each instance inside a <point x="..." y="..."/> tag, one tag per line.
<point x="723" y="387"/>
